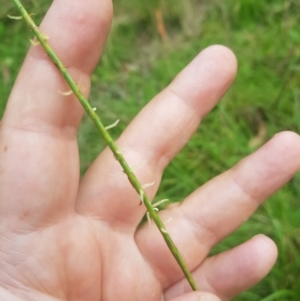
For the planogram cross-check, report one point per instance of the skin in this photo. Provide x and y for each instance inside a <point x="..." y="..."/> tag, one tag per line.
<point x="63" y="238"/>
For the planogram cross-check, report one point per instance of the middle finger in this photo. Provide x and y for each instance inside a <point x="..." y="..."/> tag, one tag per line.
<point x="154" y="137"/>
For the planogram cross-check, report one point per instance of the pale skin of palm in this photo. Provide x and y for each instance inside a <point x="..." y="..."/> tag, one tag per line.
<point x="63" y="238"/>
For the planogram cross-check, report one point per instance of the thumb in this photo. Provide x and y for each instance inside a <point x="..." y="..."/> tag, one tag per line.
<point x="197" y="296"/>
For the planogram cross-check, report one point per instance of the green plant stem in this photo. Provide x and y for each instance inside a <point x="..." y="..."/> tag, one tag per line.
<point x="112" y="145"/>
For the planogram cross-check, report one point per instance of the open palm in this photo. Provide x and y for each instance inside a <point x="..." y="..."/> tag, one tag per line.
<point x="65" y="239"/>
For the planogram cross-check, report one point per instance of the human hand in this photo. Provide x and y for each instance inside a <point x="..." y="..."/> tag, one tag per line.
<point x="65" y="239"/>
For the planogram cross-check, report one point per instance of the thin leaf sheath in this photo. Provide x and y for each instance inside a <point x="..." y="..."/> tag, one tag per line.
<point x="111" y="144"/>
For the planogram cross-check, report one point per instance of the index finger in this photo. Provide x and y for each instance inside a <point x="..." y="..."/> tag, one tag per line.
<point x="39" y="163"/>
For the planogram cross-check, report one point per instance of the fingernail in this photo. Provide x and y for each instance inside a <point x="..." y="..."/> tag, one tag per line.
<point x="208" y="297"/>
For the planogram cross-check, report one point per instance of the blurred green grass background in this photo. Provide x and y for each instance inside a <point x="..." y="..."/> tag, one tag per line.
<point x="264" y="99"/>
